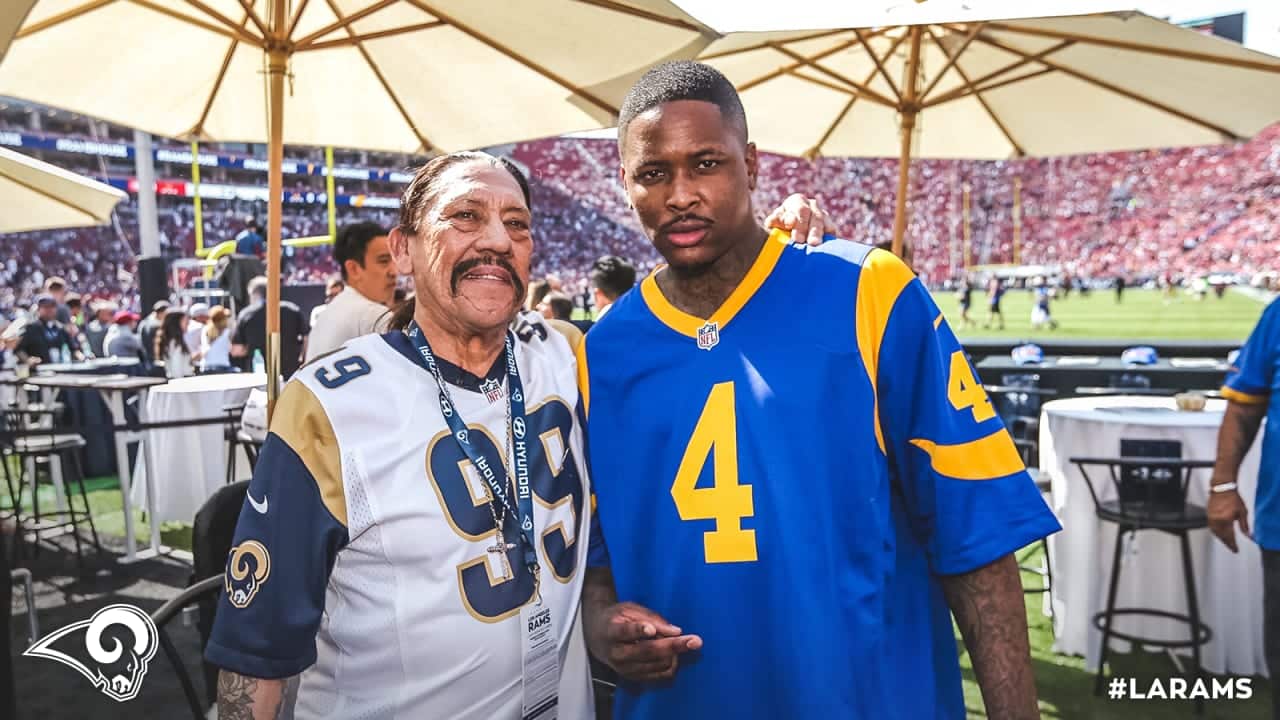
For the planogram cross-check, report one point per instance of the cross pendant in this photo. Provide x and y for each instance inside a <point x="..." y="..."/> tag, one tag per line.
<point x="501" y="547"/>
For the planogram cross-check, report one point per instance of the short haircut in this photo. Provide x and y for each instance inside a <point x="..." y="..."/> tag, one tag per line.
<point x="613" y="276"/>
<point x="682" y="80"/>
<point x="561" y="305"/>
<point x="257" y="287"/>
<point x="73" y="300"/>
<point x="352" y="242"/>
<point x="55" y="283"/>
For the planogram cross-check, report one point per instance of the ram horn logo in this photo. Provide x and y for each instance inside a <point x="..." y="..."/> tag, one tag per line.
<point x="248" y="566"/>
<point x="118" y="670"/>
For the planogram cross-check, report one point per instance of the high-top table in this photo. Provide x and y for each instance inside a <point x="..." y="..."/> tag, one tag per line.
<point x="1228" y="585"/>
<point x="113" y="389"/>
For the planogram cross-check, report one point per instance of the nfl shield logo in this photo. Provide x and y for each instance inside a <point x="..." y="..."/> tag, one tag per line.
<point x="708" y="336"/>
<point x="492" y="390"/>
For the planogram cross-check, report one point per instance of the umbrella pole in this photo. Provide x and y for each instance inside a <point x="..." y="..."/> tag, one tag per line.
<point x="908" y="109"/>
<point x="277" y="66"/>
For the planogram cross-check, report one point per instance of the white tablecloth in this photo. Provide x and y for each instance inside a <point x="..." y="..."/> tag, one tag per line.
<point x="1228" y="586"/>
<point x="191" y="462"/>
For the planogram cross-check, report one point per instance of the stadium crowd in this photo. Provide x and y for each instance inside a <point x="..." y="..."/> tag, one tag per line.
<point x="1177" y="214"/>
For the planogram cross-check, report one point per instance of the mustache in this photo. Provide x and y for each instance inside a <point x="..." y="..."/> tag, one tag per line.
<point x="466" y="266"/>
<point x="684" y="218"/>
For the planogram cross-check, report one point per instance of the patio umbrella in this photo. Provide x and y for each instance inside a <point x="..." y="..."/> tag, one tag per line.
<point x="414" y="76"/>
<point x="994" y="89"/>
<point x="35" y="195"/>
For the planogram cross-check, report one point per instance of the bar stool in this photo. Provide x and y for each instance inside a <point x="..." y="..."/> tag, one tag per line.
<point x="236" y="437"/>
<point x="1027" y="449"/>
<point x="1151" y="494"/>
<point x="40" y="443"/>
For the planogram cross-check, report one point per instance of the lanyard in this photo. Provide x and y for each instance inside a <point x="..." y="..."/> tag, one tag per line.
<point x="516" y="430"/>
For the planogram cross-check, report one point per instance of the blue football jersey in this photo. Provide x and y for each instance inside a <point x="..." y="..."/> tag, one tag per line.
<point x="1254" y="379"/>
<point x="788" y="479"/>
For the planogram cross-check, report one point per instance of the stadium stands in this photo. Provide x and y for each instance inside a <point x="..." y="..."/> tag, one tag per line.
<point x="1178" y="213"/>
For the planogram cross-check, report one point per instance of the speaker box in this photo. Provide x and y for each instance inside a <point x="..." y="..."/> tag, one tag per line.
<point x="153" y="281"/>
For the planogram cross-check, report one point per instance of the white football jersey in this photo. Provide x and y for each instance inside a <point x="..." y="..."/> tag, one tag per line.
<point x="360" y="557"/>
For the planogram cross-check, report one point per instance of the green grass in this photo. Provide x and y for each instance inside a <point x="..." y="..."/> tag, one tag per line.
<point x="1142" y="315"/>
<point x="1066" y="687"/>
<point x="107" y="508"/>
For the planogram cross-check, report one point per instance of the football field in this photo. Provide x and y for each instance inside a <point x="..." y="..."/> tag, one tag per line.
<point x="1140" y="315"/>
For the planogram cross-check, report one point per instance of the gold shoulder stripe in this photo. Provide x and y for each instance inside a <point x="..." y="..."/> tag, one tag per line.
<point x="584" y="381"/>
<point x="1243" y="397"/>
<point x="880" y="282"/>
<point x="300" y="421"/>
<point x="990" y="457"/>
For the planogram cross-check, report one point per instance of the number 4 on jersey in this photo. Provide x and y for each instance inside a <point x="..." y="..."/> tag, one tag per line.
<point x="964" y="391"/>
<point x="716" y="435"/>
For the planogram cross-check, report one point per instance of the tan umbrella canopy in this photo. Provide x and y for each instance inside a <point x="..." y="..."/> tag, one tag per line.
<point x="996" y="89"/>
<point x="35" y="195"/>
<point x="395" y="75"/>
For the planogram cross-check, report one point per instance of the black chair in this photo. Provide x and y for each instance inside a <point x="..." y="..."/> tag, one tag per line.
<point x="1150" y="494"/>
<point x="1043" y="483"/>
<point x="32" y="437"/>
<point x="211" y="536"/>
<point x="1017" y="400"/>
<point x="206" y="589"/>
<point x="236" y="437"/>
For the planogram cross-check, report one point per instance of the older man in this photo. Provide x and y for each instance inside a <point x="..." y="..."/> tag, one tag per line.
<point x="414" y="535"/>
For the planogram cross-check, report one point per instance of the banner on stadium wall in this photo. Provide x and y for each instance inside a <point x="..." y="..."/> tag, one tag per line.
<point x="124" y="151"/>
<point x="253" y="193"/>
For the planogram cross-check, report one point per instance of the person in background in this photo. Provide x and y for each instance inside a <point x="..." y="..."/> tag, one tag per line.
<point x="1252" y="390"/>
<point x="95" y="332"/>
<point x="45" y="340"/>
<point x="1119" y="284"/>
<point x="611" y="277"/>
<point x="250" y="334"/>
<point x="557" y="308"/>
<point x="148" y="328"/>
<point x="995" y="291"/>
<point x="364" y="305"/>
<point x="56" y="288"/>
<point x="556" y="305"/>
<point x="198" y="315"/>
<point x="331" y="290"/>
<point x="215" y="341"/>
<point x="250" y="241"/>
<point x="171" y="346"/>
<point x="1040" y="314"/>
<point x="122" y="341"/>
<point x="965" y="294"/>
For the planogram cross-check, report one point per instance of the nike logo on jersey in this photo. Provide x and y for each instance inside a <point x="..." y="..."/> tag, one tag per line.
<point x="261" y="507"/>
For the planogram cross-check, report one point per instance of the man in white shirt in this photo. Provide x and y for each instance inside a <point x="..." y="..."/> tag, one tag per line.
<point x="611" y="278"/>
<point x="199" y="314"/>
<point x="363" y="306"/>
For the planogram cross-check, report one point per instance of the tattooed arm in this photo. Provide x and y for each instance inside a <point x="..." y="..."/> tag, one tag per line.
<point x="1235" y="437"/>
<point x="241" y="697"/>
<point x="992" y="615"/>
